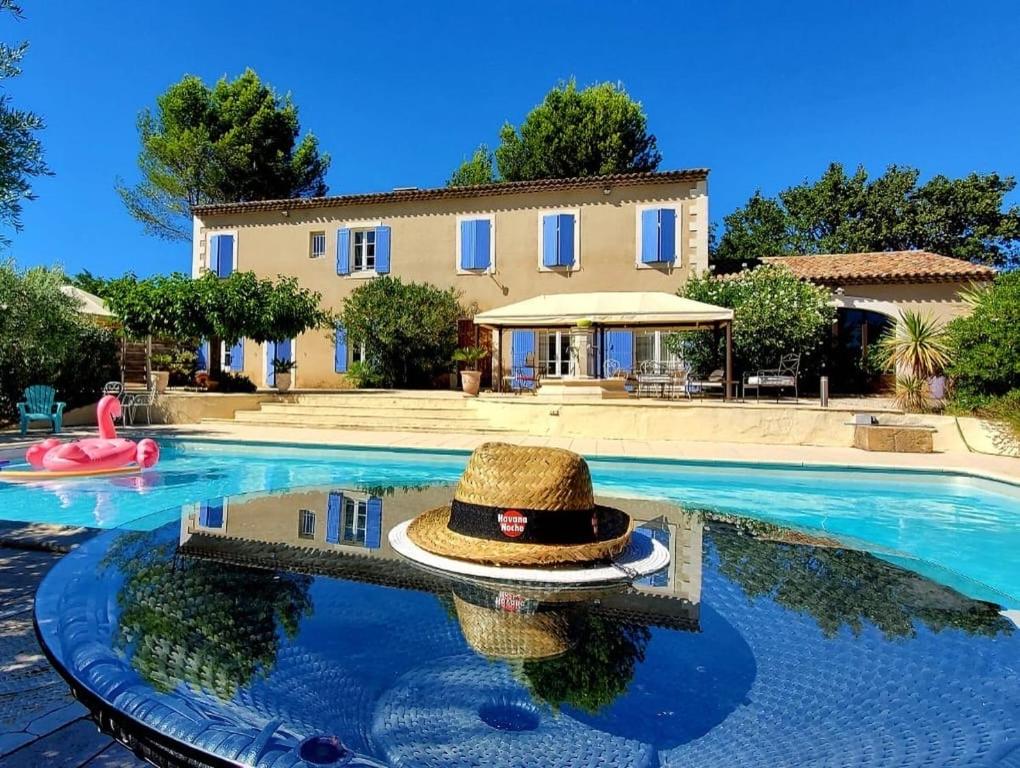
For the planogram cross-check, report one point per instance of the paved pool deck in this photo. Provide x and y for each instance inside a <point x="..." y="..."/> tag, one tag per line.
<point x="40" y="723"/>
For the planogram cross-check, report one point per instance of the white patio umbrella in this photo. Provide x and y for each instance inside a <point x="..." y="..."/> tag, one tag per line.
<point x="89" y="303"/>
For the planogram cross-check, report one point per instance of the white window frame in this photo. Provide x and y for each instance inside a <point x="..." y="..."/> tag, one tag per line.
<point x="364" y="274"/>
<point x="661" y="354"/>
<point x="351" y="359"/>
<point x="542" y="360"/>
<point x="367" y="235"/>
<point x="489" y="217"/>
<point x="677" y="235"/>
<point x="304" y="515"/>
<point x="209" y="235"/>
<point x="360" y="511"/>
<point x="224" y="351"/>
<point x="265" y="363"/>
<point x="576" y="213"/>
<point x="311" y="244"/>
<point x="198" y="513"/>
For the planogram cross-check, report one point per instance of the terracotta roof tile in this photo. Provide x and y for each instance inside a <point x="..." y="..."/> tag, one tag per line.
<point x="882" y="267"/>
<point x="447" y="193"/>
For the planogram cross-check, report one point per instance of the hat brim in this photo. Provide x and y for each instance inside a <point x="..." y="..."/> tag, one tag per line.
<point x="430" y="532"/>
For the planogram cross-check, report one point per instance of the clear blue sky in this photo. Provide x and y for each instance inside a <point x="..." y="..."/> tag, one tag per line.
<point x="765" y="93"/>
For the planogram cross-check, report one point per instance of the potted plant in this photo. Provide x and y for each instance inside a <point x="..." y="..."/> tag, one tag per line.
<point x="159" y="375"/>
<point x="281" y="372"/>
<point x="471" y="378"/>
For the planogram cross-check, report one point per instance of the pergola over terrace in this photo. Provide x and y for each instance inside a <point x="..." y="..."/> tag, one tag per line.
<point x="590" y="315"/>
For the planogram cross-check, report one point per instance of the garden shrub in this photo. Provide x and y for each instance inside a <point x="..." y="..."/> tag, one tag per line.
<point x="228" y="382"/>
<point x="45" y="340"/>
<point x="985" y="345"/>
<point x="94" y="361"/>
<point x="775" y="313"/>
<point x="409" y="329"/>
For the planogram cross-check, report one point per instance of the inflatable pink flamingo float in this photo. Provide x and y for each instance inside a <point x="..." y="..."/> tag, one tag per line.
<point x="95" y="454"/>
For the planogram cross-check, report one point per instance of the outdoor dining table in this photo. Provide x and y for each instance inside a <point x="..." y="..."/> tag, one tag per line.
<point x="654" y="380"/>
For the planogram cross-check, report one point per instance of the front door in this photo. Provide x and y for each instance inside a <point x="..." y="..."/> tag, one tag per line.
<point x="556" y="360"/>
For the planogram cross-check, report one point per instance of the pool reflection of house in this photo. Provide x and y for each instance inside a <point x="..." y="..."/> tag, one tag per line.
<point x="301" y="529"/>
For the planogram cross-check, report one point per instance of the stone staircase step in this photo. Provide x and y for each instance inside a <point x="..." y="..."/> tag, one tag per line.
<point x="366" y="410"/>
<point x="390" y="426"/>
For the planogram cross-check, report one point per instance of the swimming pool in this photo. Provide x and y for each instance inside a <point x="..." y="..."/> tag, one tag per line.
<point x="964" y="526"/>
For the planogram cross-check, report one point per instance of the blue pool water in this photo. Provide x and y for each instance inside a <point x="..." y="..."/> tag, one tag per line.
<point x="964" y="528"/>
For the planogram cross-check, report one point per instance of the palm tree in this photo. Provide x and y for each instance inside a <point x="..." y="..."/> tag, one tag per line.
<point x="917" y="350"/>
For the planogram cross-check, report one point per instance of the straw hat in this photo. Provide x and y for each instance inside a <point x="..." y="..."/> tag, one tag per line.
<point x="508" y="625"/>
<point x="521" y="506"/>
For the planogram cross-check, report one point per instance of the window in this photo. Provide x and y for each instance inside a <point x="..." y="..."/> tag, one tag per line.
<point x="358" y="353"/>
<point x="558" y="241"/>
<point x="317" y="245"/>
<point x="476" y="246"/>
<point x="555" y="354"/>
<point x="355" y="521"/>
<point x="362" y="250"/>
<point x="658" y="236"/>
<point x="306" y="524"/>
<point x="220" y="254"/>
<point x="650" y="346"/>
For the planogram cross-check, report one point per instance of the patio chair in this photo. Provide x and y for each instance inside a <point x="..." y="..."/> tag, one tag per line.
<point x="140" y="401"/>
<point x="783" y="377"/>
<point x="40" y="404"/>
<point x="679" y="374"/>
<point x="525" y="378"/>
<point x="714" y="381"/>
<point x="116" y="388"/>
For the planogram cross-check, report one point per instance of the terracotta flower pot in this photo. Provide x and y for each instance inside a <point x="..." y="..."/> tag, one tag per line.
<point x="470" y="381"/>
<point x="282" y="382"/>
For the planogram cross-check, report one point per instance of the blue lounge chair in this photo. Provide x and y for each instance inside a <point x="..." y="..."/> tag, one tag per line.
<point x="40" y="405"/>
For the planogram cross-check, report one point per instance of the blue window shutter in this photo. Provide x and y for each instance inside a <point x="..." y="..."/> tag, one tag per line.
<point x="270" y="355"/>
<point x="202" y="360"/>
<point x="203" y="514"/>
<point x="382" y="250"/>
<point x="549" y="241"/>
<point x="334" y="504"/>
<point x="343" y="251"/>
<point x="620" y="347"/>
<point x="667" y="235"/>
<point x="215" y="514"/>
<point x="340" y="351"/>
<point x="226" y="255"/>
<point x="565" y="239"/>
<point x="237" y="356"/>
<point x="483" y="243"/>
<point x="650" y="236"/>
<point x="284" y="350"/>
<point x="467" y="245"/>
<point x="373" y="523"/>
<point x="214" y="254"/>
<point x="522" y="344"/>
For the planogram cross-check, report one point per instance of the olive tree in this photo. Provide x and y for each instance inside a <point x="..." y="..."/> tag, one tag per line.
<point x="409" y="330"/>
